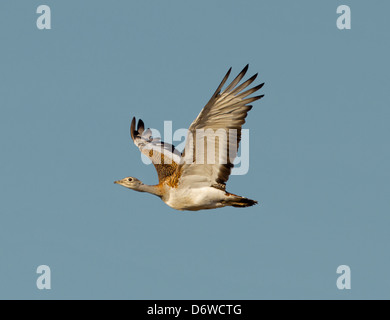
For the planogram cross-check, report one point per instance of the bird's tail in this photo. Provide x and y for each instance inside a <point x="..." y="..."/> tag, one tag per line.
<point x="239" y="202"/>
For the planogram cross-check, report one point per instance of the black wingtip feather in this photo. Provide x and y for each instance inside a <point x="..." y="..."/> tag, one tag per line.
<point x="258" y="87"/>
<point x="256" y="98"/>
<point x="132" y="128"/>
<point x="141" y="126"/>
<point x="228" y="73"/>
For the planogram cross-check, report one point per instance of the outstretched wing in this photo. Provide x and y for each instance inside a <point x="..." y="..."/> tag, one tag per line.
<point x="163" y="155"/>
<point x="225" y="112"/>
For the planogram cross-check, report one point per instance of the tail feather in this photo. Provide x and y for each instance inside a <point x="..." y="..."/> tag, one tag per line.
<point x="244" y="202"/>
<point x="240" y="202"/>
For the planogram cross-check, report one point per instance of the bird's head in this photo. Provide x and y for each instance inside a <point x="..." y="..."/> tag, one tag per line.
<point x="129" y="182"/>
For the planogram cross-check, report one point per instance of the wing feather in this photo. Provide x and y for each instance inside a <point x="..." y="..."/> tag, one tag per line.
<point x="225" y="112"/>
<point x="164" y="156"/>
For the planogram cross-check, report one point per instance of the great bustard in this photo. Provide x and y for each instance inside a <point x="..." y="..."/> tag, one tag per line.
<point x="196" y="179"/>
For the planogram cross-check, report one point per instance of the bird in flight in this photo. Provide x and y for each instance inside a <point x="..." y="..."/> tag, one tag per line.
<point x="196" y="178"/>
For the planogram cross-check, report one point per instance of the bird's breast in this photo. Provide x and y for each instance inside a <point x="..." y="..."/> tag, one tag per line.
<point x="194" y="199"/>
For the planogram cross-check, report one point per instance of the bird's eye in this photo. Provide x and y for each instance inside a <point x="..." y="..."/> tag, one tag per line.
<point x="130" y="179"/>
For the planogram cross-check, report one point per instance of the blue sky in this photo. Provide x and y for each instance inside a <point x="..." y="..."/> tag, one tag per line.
<point x="319" y="150"/>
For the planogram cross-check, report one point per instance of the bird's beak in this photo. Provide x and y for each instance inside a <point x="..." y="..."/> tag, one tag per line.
<point x="116" y="182"/>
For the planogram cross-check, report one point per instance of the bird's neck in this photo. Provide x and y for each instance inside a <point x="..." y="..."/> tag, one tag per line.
<point x="156" y="190"/>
